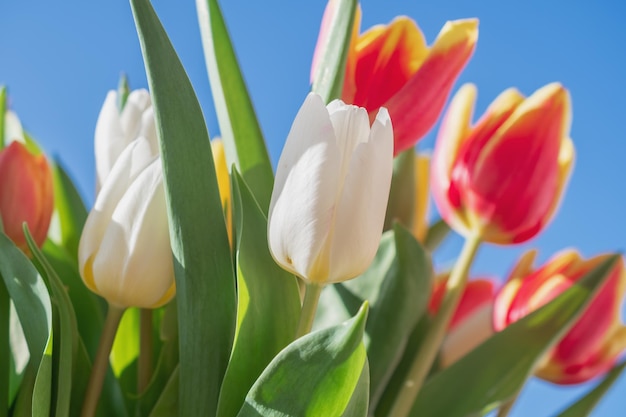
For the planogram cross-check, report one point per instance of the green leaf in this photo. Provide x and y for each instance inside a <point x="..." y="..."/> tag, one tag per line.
<point x="436" y="234"/>
<point x="585" y="405"/>
<point x="66" y="335"/>
<point x="205" y="282"/>
<point x="70" y="209"/>
<point x="167" y="405"/>
<point x="32" y="304"/>
<point x="126" y="345"/>
<point x="359" y="402"/>
<point x="397" y="285"/>
<point x="501" y="365"/>
<point x="330" y="68"/>
<point x="7" y="368"/>
<point x="268" y="305"/>
<point x="401" y="204"/>
<point x="314" y="376"/>
<point x="239" y="127"/>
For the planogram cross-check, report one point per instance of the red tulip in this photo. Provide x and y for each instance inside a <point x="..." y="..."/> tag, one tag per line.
<point x="593" y="344"/>
<point x="26" y="194"/>
<point x="391" y="66"/>
<point x="502" y="178"/>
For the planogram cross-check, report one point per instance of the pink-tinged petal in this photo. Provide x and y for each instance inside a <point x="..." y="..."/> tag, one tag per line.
<point x="415" y="108"/>
<point x="387" y="57"/>
<point x="454" y="129"/>
<point x="26" y="194"/>
<point x="477" y="293"/>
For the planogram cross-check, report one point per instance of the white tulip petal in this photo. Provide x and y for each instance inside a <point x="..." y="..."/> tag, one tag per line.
<point x="109" y="140"/>
<point x="304" y="190"/>
<point x="137" y="102"/>
<point x="361" y="208"/>
<point x="13" y="131"/>
<point x="148" y="130"/>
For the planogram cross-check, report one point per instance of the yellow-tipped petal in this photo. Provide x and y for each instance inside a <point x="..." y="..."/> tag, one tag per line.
<point x="420" y="218"/>
<point x="454" y="33"/>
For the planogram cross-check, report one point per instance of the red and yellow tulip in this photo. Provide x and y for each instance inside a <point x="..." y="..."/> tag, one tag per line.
<point x="593" y="344"/>
<point x="391" y="66"/>
<point x="26" y="194"/>
<point x="503" y="178"/>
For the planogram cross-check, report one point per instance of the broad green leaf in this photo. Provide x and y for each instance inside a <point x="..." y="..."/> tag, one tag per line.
<point x="32" y="304"/>
<point x="205" y="282"/>
<point x="126" y="345"/>
<point x="70" y="211"/>
<point x="7" y="368"/>
<point x="437" y="233"/>
<point x="268" y="304"/>
<point x="167" y="405"/>
<point x="65" y="334"/>
<point x="500" y="366"/>
<point x="397" y="286"/>
<point x="330" y="67"/>
<point x="585" y="405"/>
<point x="239" y="127"/>
<point x="314" y="376"/>
<point x="88" y="307"/>
<point x="401" y="204"/>
<point x="359" y="402"/>
<point x="19" y="355"/>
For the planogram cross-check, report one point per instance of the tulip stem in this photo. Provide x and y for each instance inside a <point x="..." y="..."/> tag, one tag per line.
<point x="422" y="363"/>
<point x="312" y="293"/>
<point x="101" y="362"/>
<point x="144" y="364"/>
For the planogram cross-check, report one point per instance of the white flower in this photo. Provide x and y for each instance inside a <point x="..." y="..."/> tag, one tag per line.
<point x="330" y="195"/>
<point x="124" y="251"/>
<point x="115" y="130"/>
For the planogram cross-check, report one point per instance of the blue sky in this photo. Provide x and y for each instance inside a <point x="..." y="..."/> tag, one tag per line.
<point x="59" y="59"/>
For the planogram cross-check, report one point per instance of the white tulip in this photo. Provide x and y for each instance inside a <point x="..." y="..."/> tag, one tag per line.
<point x="115" y="130"/>
<point x="124" y="251"/>
<point x="330" y="195"/>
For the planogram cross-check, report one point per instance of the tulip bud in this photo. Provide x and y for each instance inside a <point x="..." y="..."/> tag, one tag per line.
<point x="332" y="184"/>
<point x="391" y="66"/>
<point x="593" y="344"/>
<point x="503" y="178"/>
<point x="26" y="194"/>
<point x="471" y="323"/>
<point x="117" y="128"/>
<point x="124" y="251"/>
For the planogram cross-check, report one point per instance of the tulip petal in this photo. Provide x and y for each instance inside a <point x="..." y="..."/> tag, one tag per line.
<point x="109" y="141"/>
<point x="360" y="212"/>
<point x="422" y="192"/>
<point x="305" y="189"/>
<point x="13" y="131"/>
<point x="432" y="83"/>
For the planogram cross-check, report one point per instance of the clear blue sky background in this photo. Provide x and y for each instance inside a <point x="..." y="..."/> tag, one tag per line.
<point x="60" y="58"/>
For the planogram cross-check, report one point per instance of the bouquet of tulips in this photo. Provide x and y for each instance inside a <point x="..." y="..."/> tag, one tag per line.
<point x="204" y="283"/>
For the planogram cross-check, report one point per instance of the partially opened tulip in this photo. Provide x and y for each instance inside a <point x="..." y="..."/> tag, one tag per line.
<point x="592" y="346"/>
<point x="502" y="179"/>
<point x="332" y="184"/>
<point x="391" y="66"/>
<point x="117" y="128"/>
<point x="124" y="251"/>
<point x="26" y="194"/>
<point x="471" y="323"/>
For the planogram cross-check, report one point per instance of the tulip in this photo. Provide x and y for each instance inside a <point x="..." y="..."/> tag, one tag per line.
<point x="420" y="215"/>
<point x="124" y="251"/>
<point x="391" y="66"/>
<point x="592" y="346"/>
<point x="332" y="185"/>
<point x="117" y="128"/>
<point x="26" y="194"/>
<point x="502" y="179"/>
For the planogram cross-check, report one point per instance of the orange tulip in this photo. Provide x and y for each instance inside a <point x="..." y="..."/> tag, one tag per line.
<point x="502" y="178"/>
<point x="26" y="194"/>
<point x="593" y="344"/>
<point x="471" y="323"/>
<point x="391" y="66"/>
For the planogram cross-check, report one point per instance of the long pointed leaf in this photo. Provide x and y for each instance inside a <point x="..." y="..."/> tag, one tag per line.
<point x="239" y="127"/>
<point x="205" y="282"/>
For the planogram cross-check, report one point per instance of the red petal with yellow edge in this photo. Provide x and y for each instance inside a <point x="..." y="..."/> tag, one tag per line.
<point x="386" y="58"/>
<point x="416" y="107"/>
<point x="26" y="194"/>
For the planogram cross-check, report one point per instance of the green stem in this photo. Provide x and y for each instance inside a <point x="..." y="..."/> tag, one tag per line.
<point x="5" y="348"/>
<point x="101" y="362"/>
<point x="146" y="349"/>
<point x="309" y="307"/>
<point x="427" y="353"/>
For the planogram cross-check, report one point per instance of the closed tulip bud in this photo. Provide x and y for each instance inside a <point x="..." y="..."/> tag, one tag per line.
<point x="117" y="128"/>
<point x="26" y="194"/>
<point x="471" y="323"/>
<point x="332" y="184"/>
<point x="592" y="345"/>
<point x="502" y="179"/>
<point x="124" y="251"/>
<point x="391" y="66"/>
